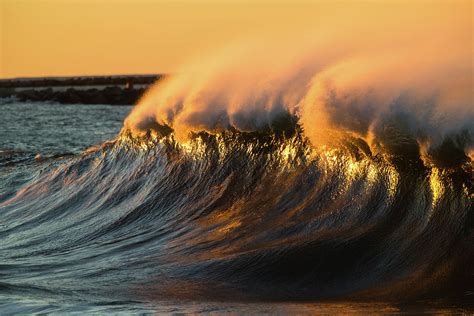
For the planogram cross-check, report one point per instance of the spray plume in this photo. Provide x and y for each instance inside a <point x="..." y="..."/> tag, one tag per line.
<point x="387" y="77"/>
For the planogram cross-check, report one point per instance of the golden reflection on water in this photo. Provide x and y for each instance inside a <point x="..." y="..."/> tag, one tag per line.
<point x="436" y="186"/>
<point x="324" y="308"/>
<point x="361" y="169"/>
<point x="287" y="155"/>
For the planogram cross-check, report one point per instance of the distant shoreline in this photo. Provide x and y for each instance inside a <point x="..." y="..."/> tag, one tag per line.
<point x="114" y="90"/>
<point x="79" y="81"/>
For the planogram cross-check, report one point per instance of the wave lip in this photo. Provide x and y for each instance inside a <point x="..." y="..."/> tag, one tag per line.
<point x="392" y="140"/>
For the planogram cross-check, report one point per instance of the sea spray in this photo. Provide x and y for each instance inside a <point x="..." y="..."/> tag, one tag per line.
<point x="393" y="84"/>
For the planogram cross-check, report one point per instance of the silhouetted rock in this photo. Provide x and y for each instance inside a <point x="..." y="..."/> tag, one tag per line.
<point x="6" y="92"/>
<point x="121" y="80"/>
<point x="109" y="95"/>
<point x="46" y="94"/>
<point x="28" y="95"/>
<point x="120" y="90"/>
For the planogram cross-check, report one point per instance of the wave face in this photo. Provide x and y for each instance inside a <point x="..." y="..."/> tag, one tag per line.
<point x="239" y="216"/>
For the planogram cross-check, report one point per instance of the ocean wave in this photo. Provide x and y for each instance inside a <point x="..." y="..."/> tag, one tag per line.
<point x="242" y="216"/>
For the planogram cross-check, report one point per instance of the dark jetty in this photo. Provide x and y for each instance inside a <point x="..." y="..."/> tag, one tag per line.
<point x="115" y="90"/>
<point x="108" y="95"/>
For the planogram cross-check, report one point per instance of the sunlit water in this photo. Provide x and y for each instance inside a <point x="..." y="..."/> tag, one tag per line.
<point x="94" y="234"/>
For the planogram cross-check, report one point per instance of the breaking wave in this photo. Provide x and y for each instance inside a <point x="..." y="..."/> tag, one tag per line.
<point x="341" y="168"/>
<point x="240" y="216"/>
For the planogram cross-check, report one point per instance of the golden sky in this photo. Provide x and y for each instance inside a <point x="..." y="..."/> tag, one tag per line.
<point x="93" y="37"/>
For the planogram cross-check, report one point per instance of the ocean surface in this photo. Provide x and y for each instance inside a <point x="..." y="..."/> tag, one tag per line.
<point x="94" y="220"/>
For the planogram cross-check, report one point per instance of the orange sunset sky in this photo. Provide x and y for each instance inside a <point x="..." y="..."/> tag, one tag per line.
<point x="94" y="37"/>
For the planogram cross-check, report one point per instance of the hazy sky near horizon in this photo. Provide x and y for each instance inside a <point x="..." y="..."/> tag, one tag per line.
<point x="94" y="37"/>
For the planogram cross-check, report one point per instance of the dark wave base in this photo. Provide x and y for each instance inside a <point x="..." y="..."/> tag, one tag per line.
<point x="236" y="217"/>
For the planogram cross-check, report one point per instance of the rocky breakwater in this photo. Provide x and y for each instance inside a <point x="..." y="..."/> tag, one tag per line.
<point x="117" y="90"/>
<point x="108" y="95"/>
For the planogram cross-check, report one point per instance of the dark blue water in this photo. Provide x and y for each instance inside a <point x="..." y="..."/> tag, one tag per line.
<point x="231" y="223"/>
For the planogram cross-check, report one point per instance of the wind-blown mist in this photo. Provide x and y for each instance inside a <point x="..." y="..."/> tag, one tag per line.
<point x="380" y="80"/>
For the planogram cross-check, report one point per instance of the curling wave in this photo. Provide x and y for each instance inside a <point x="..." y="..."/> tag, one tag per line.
<point x="239" y="215"/>
<point x="336" y="163"/>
